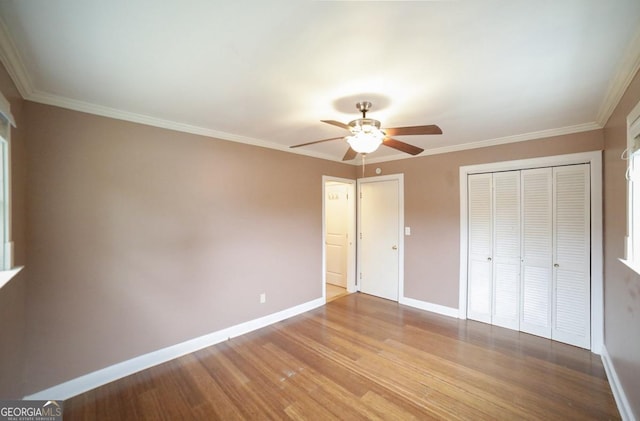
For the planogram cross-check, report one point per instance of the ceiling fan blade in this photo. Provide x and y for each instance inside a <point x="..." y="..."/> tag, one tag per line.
<point x="316" y="141"/>
<point x="403" y="131"/>
<point x="336" y="123"/>
<point x="349" y="155"/>
<point x="401" y="146"/>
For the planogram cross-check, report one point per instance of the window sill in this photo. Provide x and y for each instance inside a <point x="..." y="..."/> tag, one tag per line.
<point x="7" y="275"/>
<point x="634" y="266"/>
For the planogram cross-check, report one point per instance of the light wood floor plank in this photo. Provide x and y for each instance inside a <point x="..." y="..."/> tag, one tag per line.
<point x="361" y="357"/>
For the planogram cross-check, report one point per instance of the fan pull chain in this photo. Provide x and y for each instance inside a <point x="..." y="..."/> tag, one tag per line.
<point x="363" y="155"/>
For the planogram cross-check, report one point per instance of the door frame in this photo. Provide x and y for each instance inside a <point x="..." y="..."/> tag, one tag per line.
<point x="594" y="158"/>
<point x="400" y="179"/>
<point x="351" y="232"/>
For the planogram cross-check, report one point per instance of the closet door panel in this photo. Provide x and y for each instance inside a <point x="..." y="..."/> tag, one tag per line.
<point x="535" y="299"/>
<point x="480" y="247"/>
<point x="571" y="312"/>
<point x="506" y="249"/>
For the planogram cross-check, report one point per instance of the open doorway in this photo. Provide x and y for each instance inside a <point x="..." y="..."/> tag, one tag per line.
<point x="339" y="226"/>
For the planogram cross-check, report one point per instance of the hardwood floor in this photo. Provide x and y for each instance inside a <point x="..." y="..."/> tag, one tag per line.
<point x="361" y="357"/>
<point x="333" y="291"/>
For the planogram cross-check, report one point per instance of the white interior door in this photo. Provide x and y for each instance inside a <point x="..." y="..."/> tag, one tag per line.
<point x="506" y="250"/>
<point x="480" y="247"/>
<point x="336" y="235"/>
<point x="535" y="304"/>
<point x="379" y="237"/>
<point x="571" y="310"/>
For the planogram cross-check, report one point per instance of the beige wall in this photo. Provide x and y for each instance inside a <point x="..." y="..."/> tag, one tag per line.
<point x="140" y="238"/>
<point x="13" y="294"/>
<point x="622" y="286"/>
<point x="432" y="208"/>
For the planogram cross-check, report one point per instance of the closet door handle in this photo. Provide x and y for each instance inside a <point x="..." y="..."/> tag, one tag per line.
<point x="488" y="259"/>
<point x="556" y="265"/>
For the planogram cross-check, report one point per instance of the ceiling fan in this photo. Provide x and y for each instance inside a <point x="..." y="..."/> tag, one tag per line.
<point x="366" y="135"/>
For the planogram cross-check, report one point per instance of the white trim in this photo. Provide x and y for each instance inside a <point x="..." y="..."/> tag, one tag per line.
<point x="85" y="107"/>
<point x="8" y="199"/>
<point x="597" y="255"/>
<point x="400" y="179"/>
<point x="627" y="69"/>
<point x="633" y="129"/>
<point x="10" y="57"/>
<point x="633" y="119"/>
<point x="8" y="252"/>
<point x="626" y="413"/>
<point x="5" y="111"/>
<point x="631" y="265"/>
<point x="5" y="155"/>
<point x="464" y="243"/>
<point x="7" y="275"/>
<point x="103" y="376"/>
<point x="100" y="110"/>
<point x="597" y="286"/>
<point x="433" y="308"/>
<point x="542" y="134"/>
<point x="351" y="230"/>
<point x="14" y="64"/>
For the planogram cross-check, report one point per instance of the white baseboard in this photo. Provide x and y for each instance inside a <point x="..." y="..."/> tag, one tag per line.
<point x="434" y="308"/>
<point x="618" y="392"/>
<point x="117" y="371"/>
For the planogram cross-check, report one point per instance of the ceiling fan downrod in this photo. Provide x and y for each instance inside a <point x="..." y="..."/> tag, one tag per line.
<point x="363" y="107"/>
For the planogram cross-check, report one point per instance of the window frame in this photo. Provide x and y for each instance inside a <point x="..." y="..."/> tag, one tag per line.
<point x="632" y="156"/>
<point x="7" y="270"/>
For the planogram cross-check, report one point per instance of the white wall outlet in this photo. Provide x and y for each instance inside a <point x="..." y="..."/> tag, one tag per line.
<point x="263" y="298"/>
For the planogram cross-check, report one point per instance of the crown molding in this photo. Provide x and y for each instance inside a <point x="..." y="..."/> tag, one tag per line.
<point x="12" y="60"/>
<point x="625" y="73"/>
<point x="542" y="134"/>
<point x="99" y="110"/>
<point x="10" y="57"/>
<point x="114" y="113"/>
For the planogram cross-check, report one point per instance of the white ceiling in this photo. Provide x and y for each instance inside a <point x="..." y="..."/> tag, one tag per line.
<point x="266" y="71"/>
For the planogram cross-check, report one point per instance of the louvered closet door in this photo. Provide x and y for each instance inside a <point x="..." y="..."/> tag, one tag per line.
<point x="479" y="290"/>
<point x="537" y="242"/>
<point x="571" y="310"/>
<point x="506" y="249"/>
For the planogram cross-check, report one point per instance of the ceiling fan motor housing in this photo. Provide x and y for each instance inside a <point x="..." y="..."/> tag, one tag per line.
<point x="363" y="107"/>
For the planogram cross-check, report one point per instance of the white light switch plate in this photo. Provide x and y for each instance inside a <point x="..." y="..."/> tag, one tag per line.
<point x="407" y="230"/>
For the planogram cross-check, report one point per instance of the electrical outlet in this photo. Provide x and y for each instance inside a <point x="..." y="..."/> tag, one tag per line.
<point x="263" y="298"/>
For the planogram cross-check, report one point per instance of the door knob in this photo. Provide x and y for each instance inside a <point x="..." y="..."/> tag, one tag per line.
<point x="395" y="247"/>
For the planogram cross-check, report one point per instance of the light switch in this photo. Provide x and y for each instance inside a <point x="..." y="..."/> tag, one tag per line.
<point x="407" y="230"/>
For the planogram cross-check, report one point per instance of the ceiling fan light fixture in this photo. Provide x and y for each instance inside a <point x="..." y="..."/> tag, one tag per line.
<point x="367" y="135"/>
<point x="365" y="142"/>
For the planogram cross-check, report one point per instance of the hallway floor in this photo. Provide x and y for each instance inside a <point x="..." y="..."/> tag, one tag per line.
<point x="334" y="291"/>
